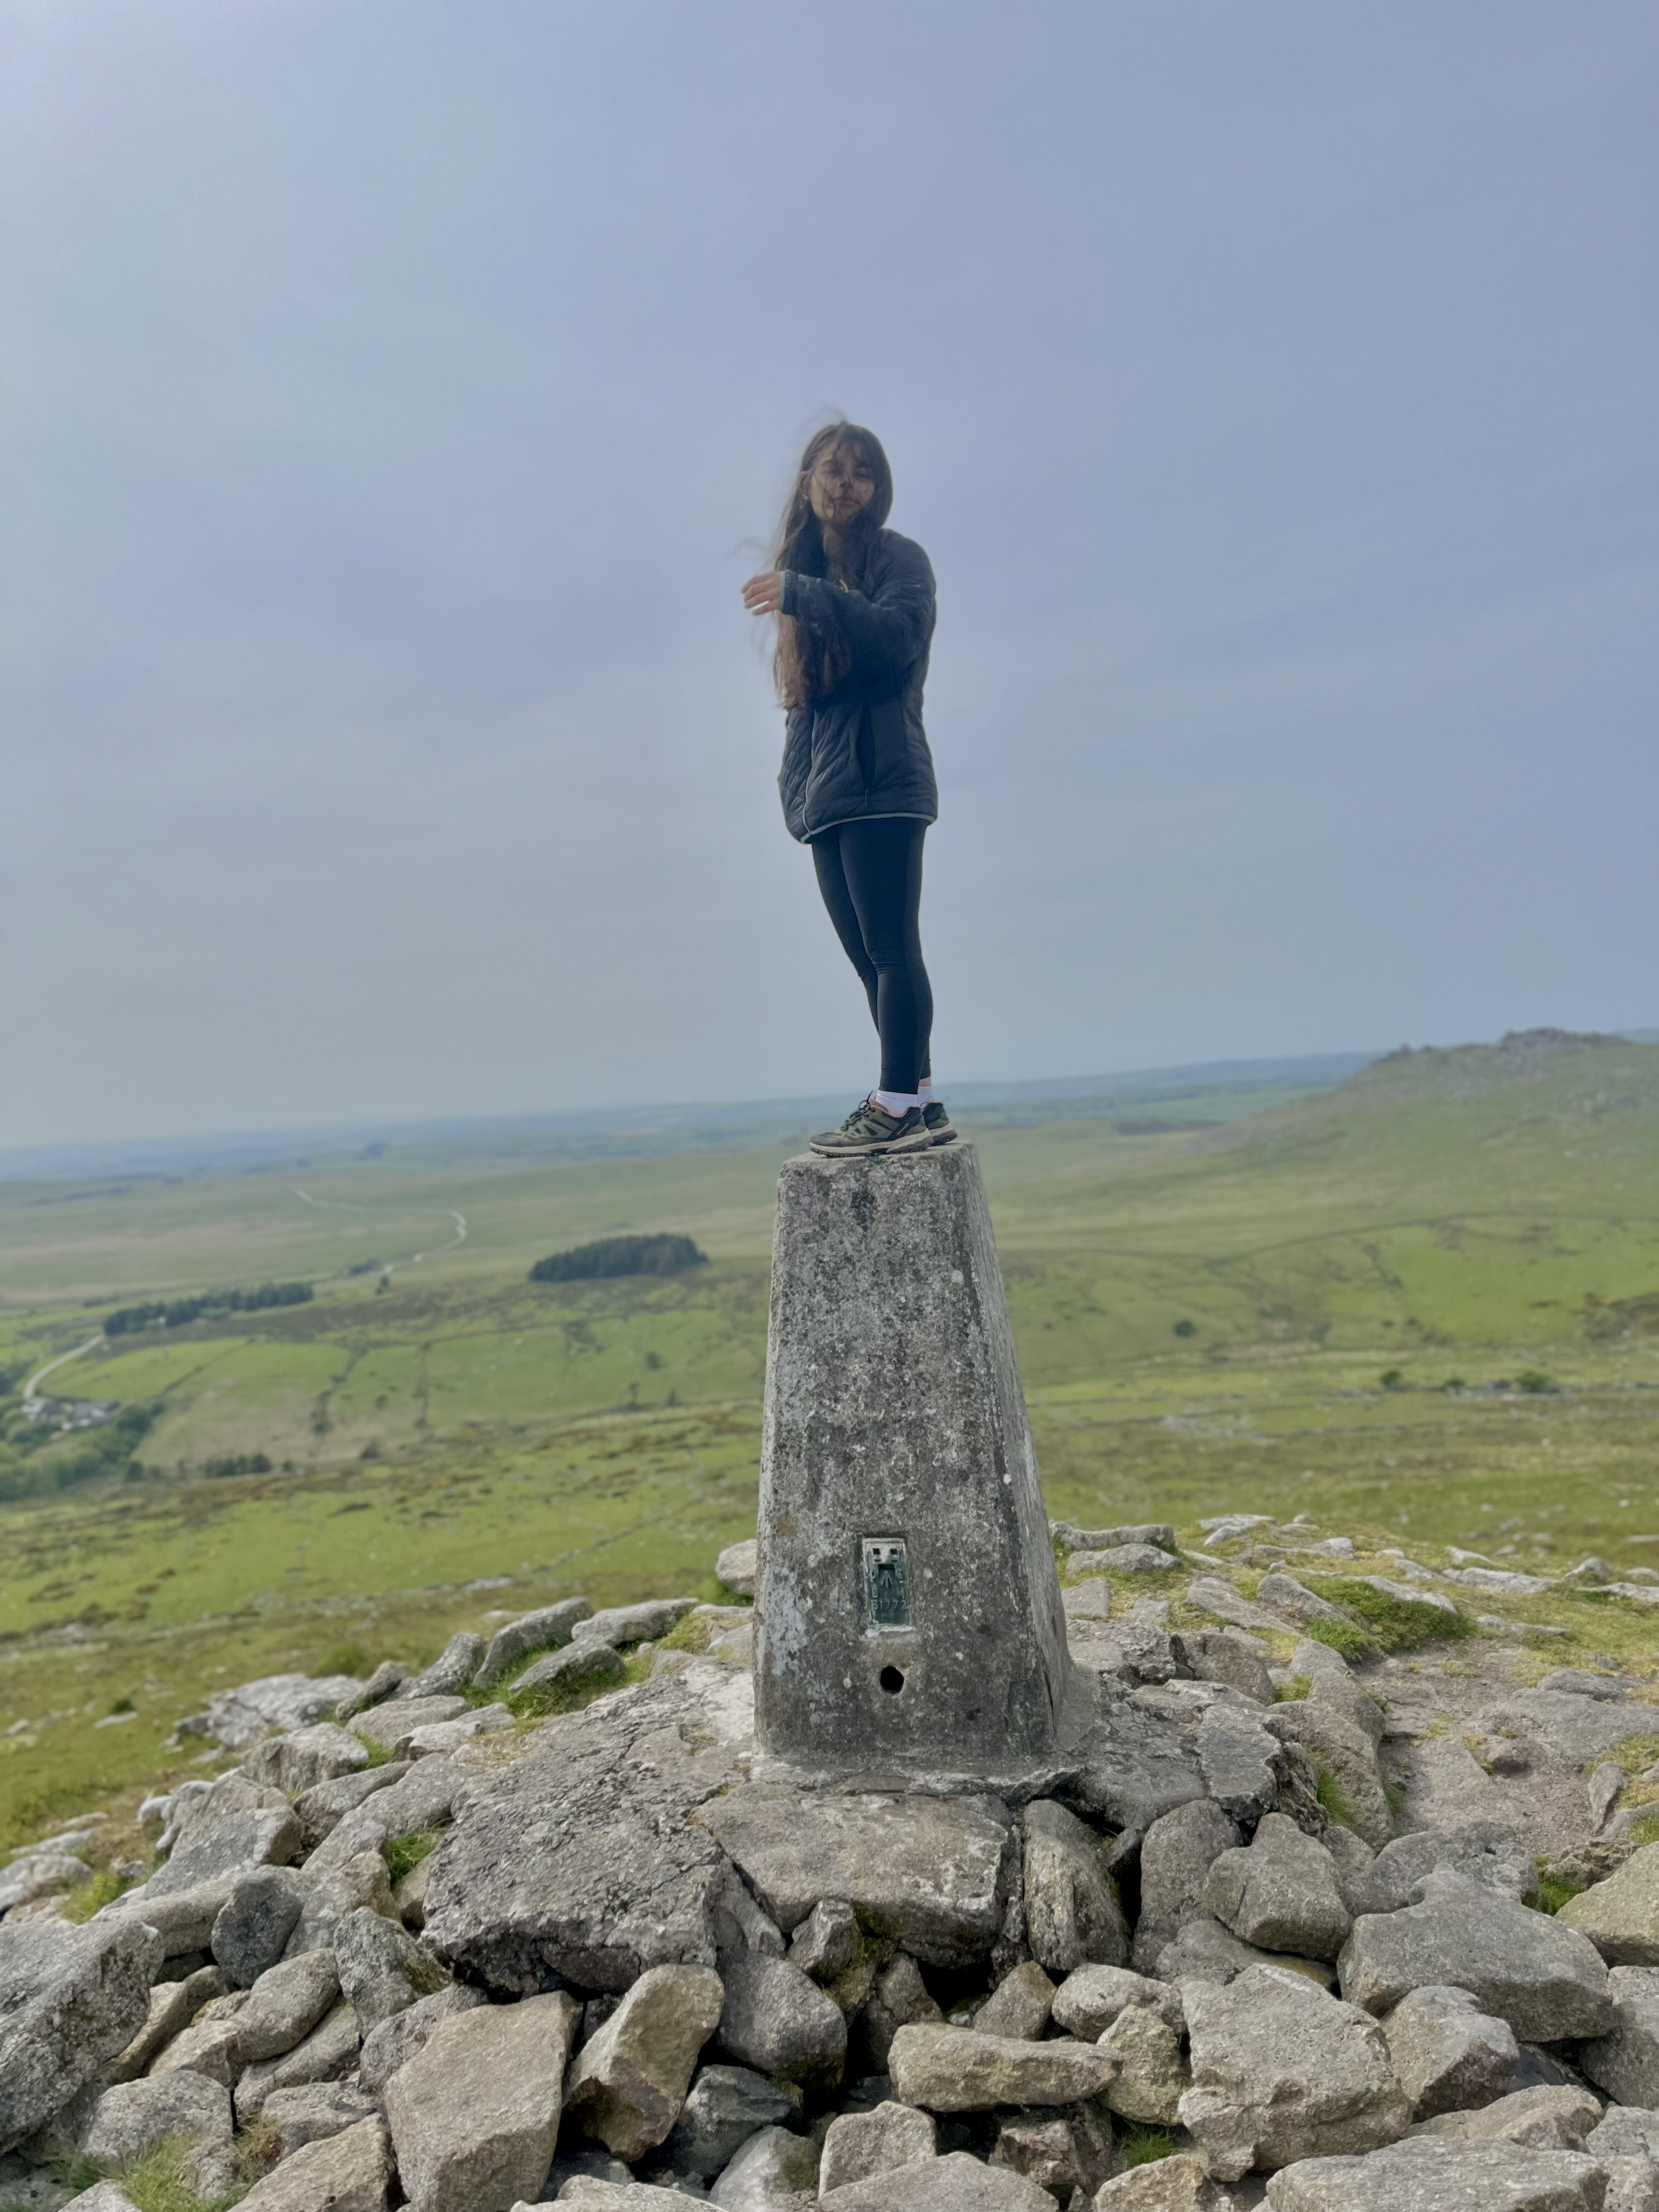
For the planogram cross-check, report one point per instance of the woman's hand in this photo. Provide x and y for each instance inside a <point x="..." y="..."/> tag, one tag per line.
<point x="761" y="593"/>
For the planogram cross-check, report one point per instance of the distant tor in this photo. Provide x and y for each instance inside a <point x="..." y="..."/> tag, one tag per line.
<point x="619" y="1255"/>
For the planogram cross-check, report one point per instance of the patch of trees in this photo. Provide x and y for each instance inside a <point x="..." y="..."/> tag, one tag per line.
<point x="236" y="1463"/>
<point x="619" y="1255"/>
<point x="176" y="1313"/>
<point x="108" y="1449"/>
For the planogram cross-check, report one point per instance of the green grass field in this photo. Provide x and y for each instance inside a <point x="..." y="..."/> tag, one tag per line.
<point x="1204" y="1321"/>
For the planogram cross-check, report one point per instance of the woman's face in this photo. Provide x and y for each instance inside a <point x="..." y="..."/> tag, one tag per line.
<point x="840" y="487"/>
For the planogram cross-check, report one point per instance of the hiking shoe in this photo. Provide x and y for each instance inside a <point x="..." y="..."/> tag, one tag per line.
<point x="939" y="1123"/>
<point x="870" y="1128"/>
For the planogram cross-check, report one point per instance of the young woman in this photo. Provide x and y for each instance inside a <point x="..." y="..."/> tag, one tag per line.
<point x="855" y="603"/>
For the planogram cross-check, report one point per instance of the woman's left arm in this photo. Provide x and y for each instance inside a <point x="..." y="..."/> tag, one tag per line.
<point x="886" y="629"/>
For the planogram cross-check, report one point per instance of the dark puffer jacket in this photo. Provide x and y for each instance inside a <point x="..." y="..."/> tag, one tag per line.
<point x="861" y="751"/>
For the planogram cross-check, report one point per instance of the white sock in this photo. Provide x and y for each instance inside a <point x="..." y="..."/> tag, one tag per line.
<point x="925" y="1091"/>
<point x="897" y="1103"/>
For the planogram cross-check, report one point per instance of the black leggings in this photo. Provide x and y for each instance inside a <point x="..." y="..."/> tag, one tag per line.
<point x="870" y="874"/>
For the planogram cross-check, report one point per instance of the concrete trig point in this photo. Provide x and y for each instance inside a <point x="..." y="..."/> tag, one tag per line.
<point x="907" y="1609"/>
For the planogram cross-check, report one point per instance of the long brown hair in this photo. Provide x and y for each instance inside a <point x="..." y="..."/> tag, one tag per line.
<point x="807" y="667"/>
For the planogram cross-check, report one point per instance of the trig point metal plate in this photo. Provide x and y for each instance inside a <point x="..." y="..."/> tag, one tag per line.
<point x="886" y="1583"/>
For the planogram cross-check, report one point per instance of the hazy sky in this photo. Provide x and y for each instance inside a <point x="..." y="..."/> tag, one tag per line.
<point x="395" y="395"/>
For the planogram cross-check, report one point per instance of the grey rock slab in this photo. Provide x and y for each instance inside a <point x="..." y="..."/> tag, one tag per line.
<point x="1073" y="1916"/>
<point x="827" y="1942"/>
<point x="578" y="1862"/>
<point x="1087" y="2001"/>
<point x="1061" y="2152"/>
<point x="1089" y="1600"/>
<point x="321" y="1809"/>
<point x="1161" y="1533"/>
<point x="1486" y="1851"/>
<point x="1205" y="1951"/>
<point x="38" y="1876"/>
<point x="1545" y="1979"/>
<point x="1578" y="1683"/>
<point x="1624" y="2060"/>
<point x="172" y="2006"/>
<point x="900" y="1999"/>
<point x="893" y="1415"/>
<point x="1331" y="1682"/>
<point x="1131" y="1768"/>
<point x="737" y="1566"/>
<point x="589" y="2194"/>
<point x="1241" y="1761"/>
<point x="349" y="2172"/>
<point x="72" y="1999"/>
<point x="1540" y="2119"/>
<point x="327" y="2054"/>
<point x="385" y="2048"/>
<point x="1282" y="2071"/>
<point x="241" y="1841"/>
<point x="1020" y="2005"/>
<point x="775" y="2019"/>
<point x="1342" y="1748"/>
<point x="136" y="2117"/>
<point x="621" y="1624"/>
<point x="1573" y="1729"/>
<point x="102" y="2196"/>
<point x="427" y="1795"/>
<point x="957" y="2182"/>
<point x="450" y="1673"/>
<point x="1152" y="2074"/>
<point x="1632" y="2183"/>
<point x="1448" y="2055"/>
<point x="333" y="1893"/>
<point x="1124" y="1559"/>
<point x="389" y="1676"/>
<point x="305" y="1757"/>
<point x="1625" y="2131"/>
<point x="240" y="1717"/>
<point x="932" y="1873"/>
<point x="1286" y="1594"/>
<point x="1166" y="2185"/>
<point x="209" y="2045"/>
<point x="1176" y="1857"/>
<point x="285" y="2004"/>
<point x="1223" y="1654"/>
<point x="857" y="2145"/>
<point x="545" y="1630"/>
<point x="395" y="1722"/>
<point x="474" y="2113"/>
<point x="575" y="1667"/>
<point x="1281" y="1894"/>
<point x="383" y="1970"/>
<point x="1213" y="1593"/>
<point x="196" y="1806"/>
<point x="726" y="2106"/>
<point x="953" y="2070"/>
<point x="630" y="2081"/>
<point x="315" y="2111"/>
<point x="251" y="1930"/>
<point x="1621" y="1916"/>
<point x="1424" y="2175"/>
<point x="776" y="2171"/>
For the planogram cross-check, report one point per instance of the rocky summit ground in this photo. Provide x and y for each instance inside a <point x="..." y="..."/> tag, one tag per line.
<point x="1348" y="1896"/>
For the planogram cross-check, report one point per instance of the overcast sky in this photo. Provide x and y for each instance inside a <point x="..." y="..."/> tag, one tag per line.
<point x="396" y="393"/>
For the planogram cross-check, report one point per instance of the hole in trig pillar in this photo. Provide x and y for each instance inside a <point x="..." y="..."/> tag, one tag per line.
<point x="886" y="1583"/>
<point x="892" y="1680"/>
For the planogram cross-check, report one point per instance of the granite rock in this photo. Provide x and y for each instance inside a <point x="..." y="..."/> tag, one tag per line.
<point x="349" y="2172"/>
<point x="240" y="1717"/>
<point x="1424" y="2175"/>
<point x="299" y="1761"/>
<point x="630" y="2081"/>
<point x="450" y="1671"/>
<point x="621" y="1625"/>
<point x="327" y="2054"/>
<point x="827" y="1942"/>
<point x="1073" y="1916"/>
<point x="1281" y="1894"/>
<point x="1621" y="1916"/>
<point x="545" y="1630"/>
<point x="1282" y="2071"/>
<point x="776" y="2171"/>
<point x="954" y="2184"/>
<point x="1087" y="2001"/>
<point x="285" y="2004"/>
<point x="1624" y="2059"/>
<point x="857" y="2145"/>
<point x="953" y="2070"/>
<point x="1020" y="2005"/>
<point x="591" y="1666"/>
<point x="1176" y="1857"/>
<point x="1545" y="1979"/>
<point x="1166" y="2184"/>
<point x="315" y="2111"/>
<point x="252" y="1928"/>
<point x="1448" y="2055"/>
<point x="726" y="2105"/>
<point x="1486" y="1851"/>
<point x="474" y="2113"/>
<point x="931" y="1873"/>
<point x="395" y="2041"/>
<point x="1226" y="1655"/>
<point x="776" y="2019"/>
<point x="1539" y="2119"/>
<point x="72" y="1999"/>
